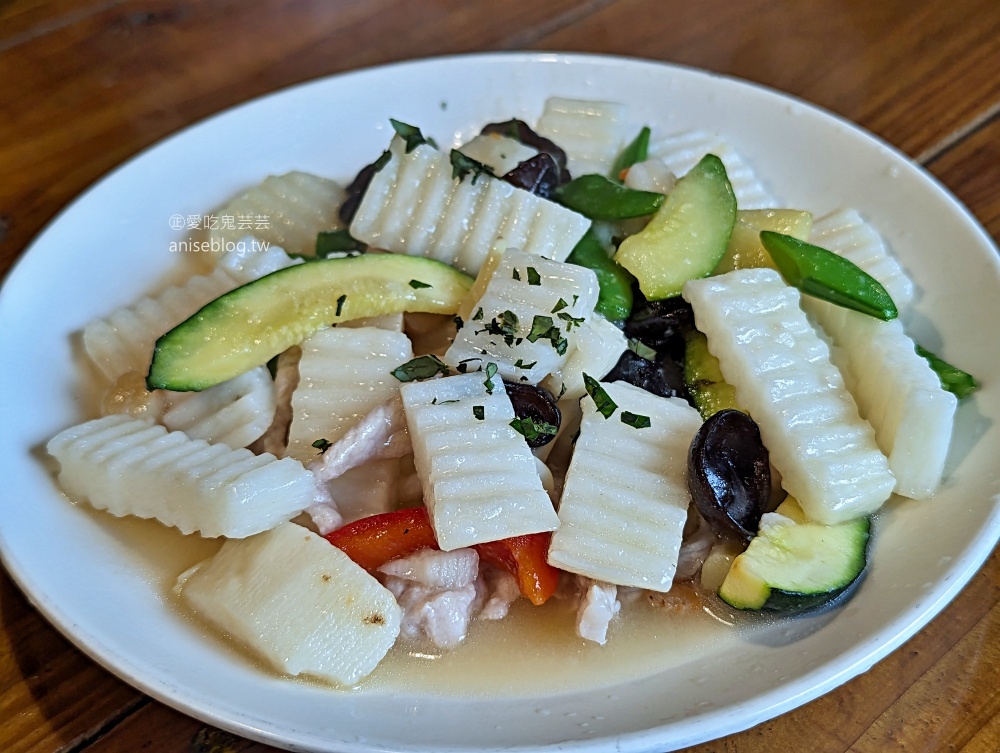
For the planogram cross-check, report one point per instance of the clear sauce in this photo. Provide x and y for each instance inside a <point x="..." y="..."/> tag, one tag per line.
<point x="535" y="650"/>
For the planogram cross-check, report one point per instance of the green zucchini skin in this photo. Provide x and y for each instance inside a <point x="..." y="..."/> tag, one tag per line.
<point x="790" y="604"/>
<point x="248" y="326"/>
<point x="797" y="567"/>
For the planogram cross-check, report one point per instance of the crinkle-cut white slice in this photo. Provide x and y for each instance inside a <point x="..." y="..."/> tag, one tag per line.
<point x="782" y="374"/>
<point x="249" y="261"/>
<point x="479" y="478"/>
<point x="592" y="133"/>
<point x="501" y="153"/>
<point x="896" y="391"/>
<point x="284" y="210"/>
<point x="297" y="602"/>
<point x="523" y="291"/>
<point x="845" y="232"/>
<point x="124" y="340"/>
<point x="131" y="467"/>
<point x="236" y="412"/>
<point x="621" y="518"/>
<point x="650" y="175"/>
<point x="597" y="347"/>
<point x="413" y="205"/>
<point x="343" y="374"/>
<point x="682" y="151"/>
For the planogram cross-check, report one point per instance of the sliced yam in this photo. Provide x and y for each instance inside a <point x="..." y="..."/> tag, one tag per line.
<point x="413" y="205"/>
<point x="592" y="133"/>
<point x="896" y="391"/>
<point x="625" y="501"/>
<point x="236" y="413"/>
<point x="343" y="375"/>
<point x="284" y="210"/>
<point x="123" y="341"/>
<point x="297" y="602"/>
<point x="522" y="290"/>
<point x="682" y="151"/>
<point x="479" y="478"/>
<point x="781" y="370"/>
<point x="845" y="232"/>
<point x="131" y="467"/>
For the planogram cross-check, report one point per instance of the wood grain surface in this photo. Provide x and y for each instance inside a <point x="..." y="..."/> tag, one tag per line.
<point x="85" y="85"/>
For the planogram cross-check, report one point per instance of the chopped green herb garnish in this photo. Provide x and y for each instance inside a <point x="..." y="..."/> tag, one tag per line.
<point x="953" y="379"/>
<point x="330" y="242"/>
<point x="423" y="367"/>
<point x="517" y="275"/>
<point x="533" y="277"/>
<point x="505" y="327"/>
<point x="641" y="349"/>
<point x="417" y="285"/>
<point x="520" y="364"/>
<point x="542" y="328"/>
<point x="479" y="411"/>
<point x="635" y="420"/>
<point x="634" y="153"/>
<point x="458" y="322"/>
<point x="571" y="321"/>
<point x="462" y="166"/>
<point x="478" y="316"/>
<point x="605" y="405"/>
<point x="443" y="402"/>
<point x="382" y="161"/>
<point x="531" y="429"/>
<point x="491" y="371"/>
<point x="340" y="303"/>
<point x="410" y="134"/>
<point x="322" y="445"/>
<point x="562" y="390"/>
<point x="560" y="305"/>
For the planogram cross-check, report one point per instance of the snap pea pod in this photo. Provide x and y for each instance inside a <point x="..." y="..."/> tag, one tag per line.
<point x="953" y="379"/>
<point x="614" y="302"/>
<point x="598" y="198"/>
<point x="827" y="276"/>
<point x="636" y="151"/>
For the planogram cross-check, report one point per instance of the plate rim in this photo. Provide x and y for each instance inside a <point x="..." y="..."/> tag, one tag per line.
<point x="860" y="660"/>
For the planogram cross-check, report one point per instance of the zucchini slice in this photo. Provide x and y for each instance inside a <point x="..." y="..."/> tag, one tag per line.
<point x="253" y="323"/>
<point x="703" y="377"/>
<point x="795" y="565"/>
<point x="688" y="235"/>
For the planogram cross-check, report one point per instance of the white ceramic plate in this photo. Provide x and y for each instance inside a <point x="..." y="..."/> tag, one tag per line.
<point x="109" y="595"/>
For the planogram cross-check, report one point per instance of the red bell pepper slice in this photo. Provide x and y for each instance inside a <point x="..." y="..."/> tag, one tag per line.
<point x="526" y="558"/>
<point x="373" y="541"/>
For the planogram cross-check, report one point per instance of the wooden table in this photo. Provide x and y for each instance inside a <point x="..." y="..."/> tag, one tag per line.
<point x="85" y="84"/>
